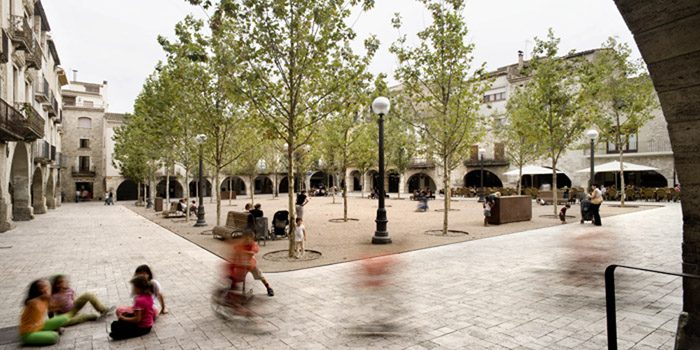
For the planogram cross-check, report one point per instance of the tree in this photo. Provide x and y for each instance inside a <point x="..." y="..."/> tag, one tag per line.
<point x="249" y="165"/>
<point x="400" y="144"/>
<point x="219" y="112"/>
<point x="286" y="59"/>
<point x="444" y="94"/>
<point x="131" y="154"/>
<point x="363" y="151"/>
<point x="518" y="137"/>
<point x="552" y="101"/>
<point x="623" y="98"/>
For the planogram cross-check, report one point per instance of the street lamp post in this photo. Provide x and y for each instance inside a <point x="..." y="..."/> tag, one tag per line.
<point x="381" y="107"/>
<point x="200" y="139"/>
<point x="481" y="175"/>
<point x="592" y="135"/>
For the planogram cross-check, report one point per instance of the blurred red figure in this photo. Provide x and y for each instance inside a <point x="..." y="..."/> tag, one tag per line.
<point x="375" y="275"/>
<point x="376" y="271"/>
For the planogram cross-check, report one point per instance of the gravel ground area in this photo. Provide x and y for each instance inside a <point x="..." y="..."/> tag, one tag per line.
<point x="347" y="241"/>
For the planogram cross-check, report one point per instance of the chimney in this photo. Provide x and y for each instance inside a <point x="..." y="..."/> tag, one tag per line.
<point x="521" y="61"/>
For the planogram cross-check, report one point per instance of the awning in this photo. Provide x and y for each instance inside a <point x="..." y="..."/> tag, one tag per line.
<point x="532" y="170"/>
<point x="614" y="167"/>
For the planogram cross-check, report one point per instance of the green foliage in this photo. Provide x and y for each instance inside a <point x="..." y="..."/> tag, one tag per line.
<point x="443" y="92"/>
<point x="622" y="96"/>
<point x="551" y="102"/>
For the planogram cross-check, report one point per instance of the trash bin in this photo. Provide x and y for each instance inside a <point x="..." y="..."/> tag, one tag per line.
<point x="159" y="204"/>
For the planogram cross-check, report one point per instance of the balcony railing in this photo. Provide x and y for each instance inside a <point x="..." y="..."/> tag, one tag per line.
<point x="34" y="56"/>
<point x="421" y="163"/>
<point x="487" y="160"/>
<point x="83" y="171"/>
<point x="84" y="105"/>
<point x="42" y="91"/>
<point x="42" y="152"/>
<point x="642" y="147"/>
<point x="52" y="107"/>
<point x="11" y="123"/>
<point x="21" y="32"/>
<point x="33" y="123"/>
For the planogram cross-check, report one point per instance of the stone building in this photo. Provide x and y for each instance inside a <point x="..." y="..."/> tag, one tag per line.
<point x="30" y="114"/>
<point x="650" y="147"/>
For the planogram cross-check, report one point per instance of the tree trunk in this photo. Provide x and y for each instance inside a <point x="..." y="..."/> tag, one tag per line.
<point x="151" y="188"/>
<point x="554" y="186"/>
<point x="187" y="195"/>
<point x="446" y="187"/>
<point x="622" y="181"/>
<point x="290" y="195"/>
<point x="138" y="193"/>
<point x="167" y="188"/>
<point x="252" y="189"/>
<point x="230" y="187"/>
<point x="217" y="173"/>
<point x="345" y="198"/>
<point x="336" y="180"/>
<point x="362" y="188"/>
<point x="520" y="180"/>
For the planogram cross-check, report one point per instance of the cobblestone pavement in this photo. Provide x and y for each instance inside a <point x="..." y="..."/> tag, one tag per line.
<point x="540" y="289"/>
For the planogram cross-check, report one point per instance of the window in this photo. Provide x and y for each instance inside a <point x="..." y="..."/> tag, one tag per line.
<point x="500" y="96"/>
<point x="92" y="88"/>
<point x="84" y="143"/>
<point x="84" y="164"/>
<point x="631" y="145"/>
<point x="85" y="123"/>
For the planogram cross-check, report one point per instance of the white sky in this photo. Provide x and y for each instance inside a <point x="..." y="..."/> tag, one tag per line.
<point x="115" y="40"/>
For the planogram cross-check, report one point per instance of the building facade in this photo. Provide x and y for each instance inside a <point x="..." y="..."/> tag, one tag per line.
<point x="31" y="115"/>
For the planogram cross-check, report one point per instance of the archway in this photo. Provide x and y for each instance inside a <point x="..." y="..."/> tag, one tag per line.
<point x="194" y="188"/>
<point x="372" y="179"/>
<point x="635" y="178"/>
<point x="394" y="181"/>
<point x="421" y="181"/>
<point x="537" y="181"/>
<point x="284" y="185"/>
<point x="321" y="178"/>
<point x="263" y="185"/>
<point x="127" y="191"/>
<point x="234" y="183"/>
<point x="473" y="179"/>
<point x="19" y="184"/>
<point x="356" y="181"/>
<point x="50" y="192"/>
<point x="38" y="192"/>
<point x="175" y="190"/>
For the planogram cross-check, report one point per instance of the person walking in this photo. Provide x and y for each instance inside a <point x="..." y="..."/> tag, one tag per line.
<point x="77" y="196"/>
<point x="302" y="200"/>
<point x="596" y="197"/>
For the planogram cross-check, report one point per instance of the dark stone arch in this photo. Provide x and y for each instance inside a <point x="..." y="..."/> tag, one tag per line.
<point x="127" y="191"/>
<point x="473" y="179"/>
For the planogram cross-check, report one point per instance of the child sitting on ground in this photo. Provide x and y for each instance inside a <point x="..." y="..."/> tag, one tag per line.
<point x="156" y="293"/>
<point x="562" y="213"/>
<point x="63" y="302"/>
<point x="33" y="330"/>
<point x="139" y="321"/>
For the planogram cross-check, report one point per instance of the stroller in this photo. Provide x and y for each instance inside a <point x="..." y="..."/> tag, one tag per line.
<point x="586" y="214"/>
<point x="279" y="224"/>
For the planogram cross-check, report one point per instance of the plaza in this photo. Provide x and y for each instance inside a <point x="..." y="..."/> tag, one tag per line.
<point x="538" y="289"/>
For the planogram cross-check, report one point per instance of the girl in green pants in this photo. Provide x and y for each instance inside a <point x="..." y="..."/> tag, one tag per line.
<point x="63" y="302"/>
<point x="33" y="330"/>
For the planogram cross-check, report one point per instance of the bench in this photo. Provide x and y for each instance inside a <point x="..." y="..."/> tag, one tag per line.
<point x="237" y="222"/>
<point x="547" y="197"/>
<point x="174" y="211"/>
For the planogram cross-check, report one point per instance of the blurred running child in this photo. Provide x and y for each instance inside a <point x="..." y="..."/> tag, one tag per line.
<point x="33" y="330"/>
<point x="299" y="239"/>
<point x="139" y="321"/>
<point x="63" y="302"/>
<point x="243" y="261"/>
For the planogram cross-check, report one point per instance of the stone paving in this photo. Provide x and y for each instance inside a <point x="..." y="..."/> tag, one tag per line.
<point x="539" y="289"/>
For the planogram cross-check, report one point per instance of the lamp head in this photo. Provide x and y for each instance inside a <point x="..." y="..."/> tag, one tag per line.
<point x="592" y="134"/>
<point x="381" y="105"/>
<point x="200" y="139"/>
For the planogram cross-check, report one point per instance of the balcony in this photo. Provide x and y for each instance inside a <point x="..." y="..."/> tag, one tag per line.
<point x="61" y="161"/>
<point x="15" y="126"/>
<point x="641" y="148"/>
<point x="42" y="152"/>
<point x="488" y="160"/>
<point x="33" y="124"/>
<point x="52" y="107"/>
<point x="21" y="32"/>
<point x="34" y="56"/>
<point x="83" y="171"/>
<point x="421" y="163"/>
<point x="42" y="91"/>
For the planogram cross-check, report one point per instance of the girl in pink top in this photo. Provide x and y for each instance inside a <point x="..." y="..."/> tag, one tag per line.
<point x="138" y="323"/>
